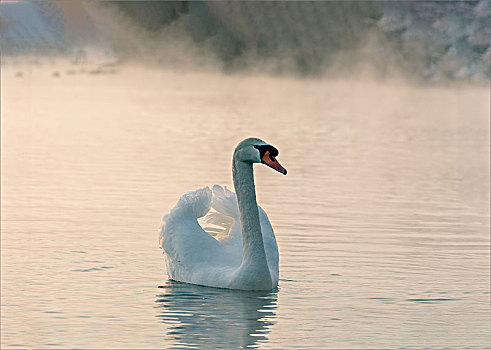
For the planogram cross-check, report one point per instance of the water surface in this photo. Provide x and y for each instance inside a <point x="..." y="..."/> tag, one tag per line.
<point x="382" y="221"/>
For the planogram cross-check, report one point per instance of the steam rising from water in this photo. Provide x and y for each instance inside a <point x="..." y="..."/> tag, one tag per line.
<point x="427" y="41"/>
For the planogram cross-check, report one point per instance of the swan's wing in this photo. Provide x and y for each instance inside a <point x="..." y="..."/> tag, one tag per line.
<point x="225" y="220"/>
<point x="221" y="221"/>
<point x="217" y="224"/>
<point x="225" y="201"/>
<point x="187" y="247"/>
<point x="270" y="245"/>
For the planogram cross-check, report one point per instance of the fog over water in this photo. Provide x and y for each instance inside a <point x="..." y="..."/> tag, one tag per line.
<point x="423" y="41"/>
<point x="380" y="111"/>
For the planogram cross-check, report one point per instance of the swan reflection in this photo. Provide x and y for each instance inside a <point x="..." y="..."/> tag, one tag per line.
<point x="206" y="317"/>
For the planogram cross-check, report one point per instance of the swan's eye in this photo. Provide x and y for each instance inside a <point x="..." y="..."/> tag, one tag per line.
<point x="263" y="148"/>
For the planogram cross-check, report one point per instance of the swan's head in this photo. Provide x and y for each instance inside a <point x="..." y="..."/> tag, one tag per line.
<point x="254" y="150"/>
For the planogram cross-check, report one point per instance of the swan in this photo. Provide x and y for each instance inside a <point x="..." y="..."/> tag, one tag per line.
<point x="238" y="250"/>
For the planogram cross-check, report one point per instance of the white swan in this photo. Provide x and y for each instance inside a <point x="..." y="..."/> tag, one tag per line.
<point x="243" y="254"/>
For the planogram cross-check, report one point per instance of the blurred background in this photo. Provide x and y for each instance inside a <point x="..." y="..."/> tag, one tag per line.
<point x="422" y="40"/>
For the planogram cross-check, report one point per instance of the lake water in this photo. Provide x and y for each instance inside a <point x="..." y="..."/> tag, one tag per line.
<point x="382" y="221"/>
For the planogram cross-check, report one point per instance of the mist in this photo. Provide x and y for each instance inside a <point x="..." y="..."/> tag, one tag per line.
<point x="420" y="41"/>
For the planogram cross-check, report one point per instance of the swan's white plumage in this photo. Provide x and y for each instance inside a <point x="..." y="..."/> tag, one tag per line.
<point x="196" y="256"/>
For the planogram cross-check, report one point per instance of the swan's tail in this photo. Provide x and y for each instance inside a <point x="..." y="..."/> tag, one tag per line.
<point x="225" y="202"/>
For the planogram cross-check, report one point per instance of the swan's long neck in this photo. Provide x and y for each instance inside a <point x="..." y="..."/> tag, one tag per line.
<point x="252" y="239"/>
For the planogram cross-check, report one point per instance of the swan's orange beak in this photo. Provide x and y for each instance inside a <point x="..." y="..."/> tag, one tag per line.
<point x="271" y="161"/>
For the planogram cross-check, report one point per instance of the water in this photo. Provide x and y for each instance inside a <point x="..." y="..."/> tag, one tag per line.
<point x="382" y="221"/>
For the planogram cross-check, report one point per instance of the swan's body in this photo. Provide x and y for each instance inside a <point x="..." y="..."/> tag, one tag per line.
<point x="243" y="254"/>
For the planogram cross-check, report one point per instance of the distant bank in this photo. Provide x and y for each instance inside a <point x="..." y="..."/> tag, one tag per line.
<point x="428" y="41"/>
